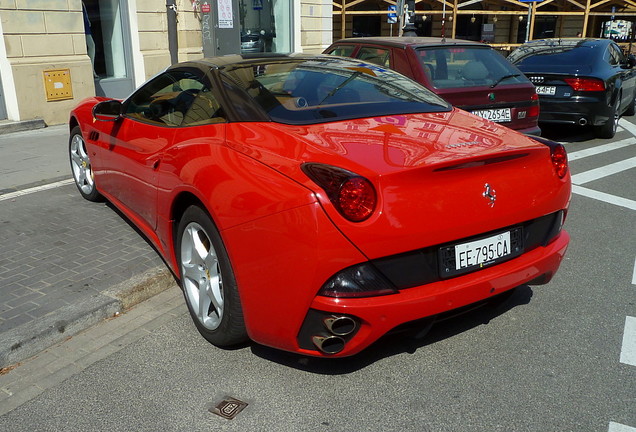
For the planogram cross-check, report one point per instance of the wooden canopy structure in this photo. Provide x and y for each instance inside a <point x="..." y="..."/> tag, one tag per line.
<point x="514" y="21"/>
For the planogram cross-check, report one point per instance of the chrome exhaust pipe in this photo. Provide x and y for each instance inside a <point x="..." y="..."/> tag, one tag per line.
<point x="340" y="325"/>
<point x="329" y="344"/>
<point x="582" y="121"/>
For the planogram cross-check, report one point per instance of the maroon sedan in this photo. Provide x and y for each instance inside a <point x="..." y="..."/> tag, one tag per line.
<point x="470" y="75"/>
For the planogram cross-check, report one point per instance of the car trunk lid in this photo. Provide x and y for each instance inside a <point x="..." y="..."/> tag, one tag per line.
<point x="439" y="177"/>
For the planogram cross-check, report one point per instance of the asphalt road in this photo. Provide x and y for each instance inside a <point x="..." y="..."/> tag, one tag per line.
<point x="558" y="357"/>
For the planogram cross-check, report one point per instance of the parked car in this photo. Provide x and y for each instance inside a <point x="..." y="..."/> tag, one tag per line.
<point x="251" y="42"/>
<point x="313" y="204"/>
<point x="470" y="75"/>
<point x="580" y="81"/>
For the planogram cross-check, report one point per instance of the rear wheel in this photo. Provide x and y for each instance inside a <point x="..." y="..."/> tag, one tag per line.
<point x="81" y="166"/>
<point x="608" y="130"/>
<point x="207" y="280"/>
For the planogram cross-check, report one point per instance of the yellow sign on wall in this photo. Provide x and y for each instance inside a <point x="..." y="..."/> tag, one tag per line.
<point x="57" y="84"/>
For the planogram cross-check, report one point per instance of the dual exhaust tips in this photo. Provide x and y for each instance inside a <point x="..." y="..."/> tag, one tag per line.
<point x="339" y="327"/>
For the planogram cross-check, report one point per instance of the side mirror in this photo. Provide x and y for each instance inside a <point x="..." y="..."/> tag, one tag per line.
<point x="631" y="60"/>
<point x="108" y="110"/>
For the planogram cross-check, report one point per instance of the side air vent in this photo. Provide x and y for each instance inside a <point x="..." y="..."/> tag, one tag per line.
<point x="93" y="136"/>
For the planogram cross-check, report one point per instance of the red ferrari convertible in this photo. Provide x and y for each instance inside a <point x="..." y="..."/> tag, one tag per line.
<point x="313" y="204"/>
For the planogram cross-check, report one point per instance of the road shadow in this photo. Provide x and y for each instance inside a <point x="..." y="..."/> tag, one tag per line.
<point x="567" y="133"/>
<point x="406" y="340"/>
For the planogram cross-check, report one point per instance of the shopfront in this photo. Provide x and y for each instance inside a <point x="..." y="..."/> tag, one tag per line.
<point x="246" y="26"/>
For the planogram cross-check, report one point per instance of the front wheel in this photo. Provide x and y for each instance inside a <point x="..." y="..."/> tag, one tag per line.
<point x="81" y="166"/>
<point x="631" y="108"/>
<point x="207" y="280"/>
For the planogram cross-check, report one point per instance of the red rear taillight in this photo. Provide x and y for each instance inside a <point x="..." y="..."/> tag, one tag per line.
<point x="533" y="111"/>
<point x="585" y="84"/>
<point x="356" y="199"/>
<point x="352" y="195"/>
<point x="558" y="156"/>
<point x="559" y="160"/>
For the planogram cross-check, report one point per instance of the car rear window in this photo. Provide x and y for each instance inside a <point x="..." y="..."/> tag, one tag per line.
<point x="342" y="50"/>
<point x="575" y="55"/>
<point x="456" y="67"/>
<point x="321" y="89"/>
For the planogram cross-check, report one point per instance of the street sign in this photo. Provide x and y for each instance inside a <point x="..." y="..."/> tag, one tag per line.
<point x="392" y="18"/>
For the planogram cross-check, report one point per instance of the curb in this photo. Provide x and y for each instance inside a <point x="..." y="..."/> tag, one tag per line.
<point x="20" y="126"/>
<point x="30" y="339"/>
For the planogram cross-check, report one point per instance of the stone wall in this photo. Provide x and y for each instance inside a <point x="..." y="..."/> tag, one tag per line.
<point x="316" y="25"/>
<point x="43" y="35"/>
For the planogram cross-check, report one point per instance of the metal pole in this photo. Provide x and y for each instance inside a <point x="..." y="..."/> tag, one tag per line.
<point x="444" y="21"/>
<point x="173" y="42"/>
<point x="400" y="11"/>
<point x="528" y="23"/>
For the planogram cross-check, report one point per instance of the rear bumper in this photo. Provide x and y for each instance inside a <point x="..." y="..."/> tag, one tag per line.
<point x="575" y="111"/>
<point x="378" y="315"/>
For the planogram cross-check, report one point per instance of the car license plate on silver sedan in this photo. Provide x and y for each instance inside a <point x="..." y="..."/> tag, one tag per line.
<point x="475" y="254"/>
<point x="496" y="115"/>
<point x="546" y="90"/>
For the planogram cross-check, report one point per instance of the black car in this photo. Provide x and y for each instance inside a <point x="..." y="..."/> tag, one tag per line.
<point x="580" y="81"/>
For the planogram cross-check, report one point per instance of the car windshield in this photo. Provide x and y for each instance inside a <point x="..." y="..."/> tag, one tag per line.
<point x="457" y="67"/>
<point x="560" y="52"/>
<point x="304" y="91"/>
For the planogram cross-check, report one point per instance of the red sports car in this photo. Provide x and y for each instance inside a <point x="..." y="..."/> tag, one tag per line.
<point x="313" y="204"/>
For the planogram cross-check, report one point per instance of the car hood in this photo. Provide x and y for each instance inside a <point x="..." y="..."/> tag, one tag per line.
<point x="430" y="171"/>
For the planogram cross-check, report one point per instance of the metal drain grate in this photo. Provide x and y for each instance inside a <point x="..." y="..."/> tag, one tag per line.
<point x="228" y="408"/>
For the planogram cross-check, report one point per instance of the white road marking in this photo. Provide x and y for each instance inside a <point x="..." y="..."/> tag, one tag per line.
<point x="617" y="427"/>
<point x="601" y="149"/>
<point x="604" y="171"/>
<point x="20" y="193"/>
<point x="634" y="274"/>
<point x="631" y="128"/>
<point x="628" y="351"/>
<point x="605" y="197"/>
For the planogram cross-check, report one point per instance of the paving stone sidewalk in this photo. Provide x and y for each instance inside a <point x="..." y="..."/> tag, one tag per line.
<point x="65" y="263"/>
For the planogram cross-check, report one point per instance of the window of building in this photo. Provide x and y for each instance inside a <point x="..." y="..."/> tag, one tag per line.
<point x="265" y="26"/>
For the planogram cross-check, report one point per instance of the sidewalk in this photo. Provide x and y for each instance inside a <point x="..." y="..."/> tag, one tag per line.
<point x="65" y="263"/>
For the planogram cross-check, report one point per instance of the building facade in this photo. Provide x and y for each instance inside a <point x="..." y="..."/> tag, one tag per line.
<point x="54" y="53"/>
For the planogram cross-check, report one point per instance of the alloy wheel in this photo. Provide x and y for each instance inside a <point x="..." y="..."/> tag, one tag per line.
<point x="81" y="165"/>
<point x="201" y="276"/>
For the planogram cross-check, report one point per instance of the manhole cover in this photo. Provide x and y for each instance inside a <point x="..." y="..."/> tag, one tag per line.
<point x="228" y="408"/>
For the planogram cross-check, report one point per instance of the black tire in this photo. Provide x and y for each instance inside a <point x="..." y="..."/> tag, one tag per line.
<point x="631" y="108"/>
<point x="208" y="281"/>
<point x="81" y="166"/>
<point x="608" y="130"/>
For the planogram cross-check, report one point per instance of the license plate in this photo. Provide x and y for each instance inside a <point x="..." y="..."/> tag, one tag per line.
<point x="495" y="115"/>
<point x="475" y="254"/>
<point x="546" y="90"/>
